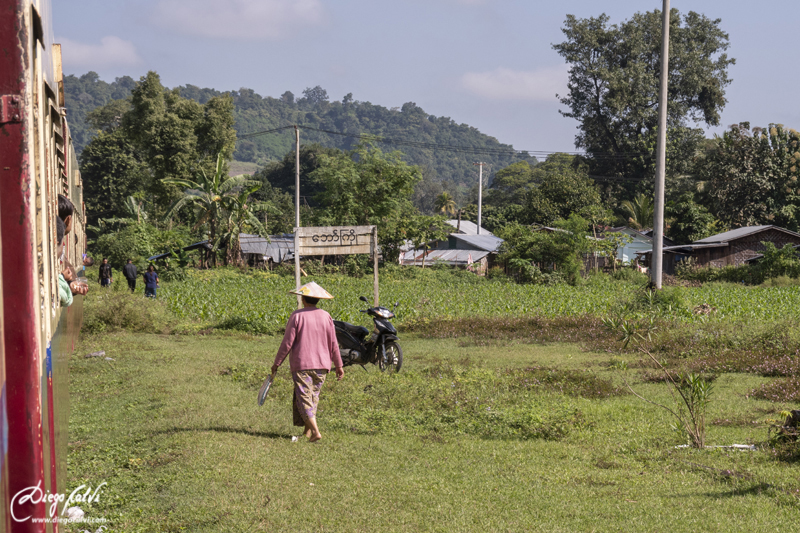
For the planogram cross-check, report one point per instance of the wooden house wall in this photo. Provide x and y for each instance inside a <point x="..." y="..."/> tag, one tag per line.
<point x="742" y="249"/>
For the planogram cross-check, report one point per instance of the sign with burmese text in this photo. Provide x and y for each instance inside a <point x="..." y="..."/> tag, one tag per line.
<point x="335" y="240"/>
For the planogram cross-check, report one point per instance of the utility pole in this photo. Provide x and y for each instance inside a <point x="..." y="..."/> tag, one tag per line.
<point x="661" y="154"/>
<point x="297" y="214"/>
<point x="480" y="193"/>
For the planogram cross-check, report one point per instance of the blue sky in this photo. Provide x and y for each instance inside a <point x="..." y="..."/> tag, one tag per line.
<point x="487" y="63"/>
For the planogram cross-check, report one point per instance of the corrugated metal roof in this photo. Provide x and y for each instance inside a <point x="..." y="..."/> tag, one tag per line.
<point x="253" y="244"/>
<point x="686" y="247"/>
<point x="489" y="243"/>
<point x="469" y="228"/>
<point x="280" y="247"/>
<point x="742" y="232"/>
<point x="451" y="257"/>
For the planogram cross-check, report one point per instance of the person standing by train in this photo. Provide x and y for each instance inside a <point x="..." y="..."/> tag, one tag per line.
<point x="105" y="274"/>
<point x="150" y="282"/>
<point x="310" y="338"/>
<point x="129" y="271"/>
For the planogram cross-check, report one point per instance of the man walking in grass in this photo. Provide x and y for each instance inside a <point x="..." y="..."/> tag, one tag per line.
<point x="130" y="271"/>
<point x="105" y="274"/>
<point x="310" y="338"/>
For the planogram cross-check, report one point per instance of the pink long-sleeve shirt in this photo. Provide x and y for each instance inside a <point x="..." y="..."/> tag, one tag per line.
<point x="311" y="339"/>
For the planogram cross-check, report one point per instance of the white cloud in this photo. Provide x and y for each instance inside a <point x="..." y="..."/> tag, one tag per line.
<point x="251" y="20"/>
<point x="111" y="52"/>
<point x="506" y="84"/>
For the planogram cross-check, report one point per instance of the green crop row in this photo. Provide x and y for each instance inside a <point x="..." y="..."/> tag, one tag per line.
<point x="260" y="303"/>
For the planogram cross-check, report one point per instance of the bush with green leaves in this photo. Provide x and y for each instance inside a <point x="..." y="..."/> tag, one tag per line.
<point x="137" y="242"/>
<point x="779" y="261"/>
<point x="107" y="310"/>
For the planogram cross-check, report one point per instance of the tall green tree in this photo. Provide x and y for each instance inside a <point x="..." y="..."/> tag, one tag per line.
<point x="690" y="221"/>
<point x="563" y="187"/>
<point x="364" y="186"/>
<point x="614" y="82"/>
<point x="511" y="184"/>
<point x="112" y="170"/>
<point x="281" y="174"/>
<point x="753" y="176"/>
<point x="176" y="136"/>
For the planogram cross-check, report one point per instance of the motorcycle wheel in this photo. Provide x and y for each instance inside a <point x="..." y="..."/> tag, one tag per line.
<point x="394" y="357"/>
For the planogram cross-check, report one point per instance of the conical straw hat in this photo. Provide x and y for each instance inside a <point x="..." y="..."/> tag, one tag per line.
<point x="312" y="290"/>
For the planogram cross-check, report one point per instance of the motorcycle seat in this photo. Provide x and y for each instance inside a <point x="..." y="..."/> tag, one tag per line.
<point x="358" y="332"/>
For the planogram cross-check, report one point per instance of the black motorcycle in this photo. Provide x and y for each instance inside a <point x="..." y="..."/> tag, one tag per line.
<point x="358" y="347"/>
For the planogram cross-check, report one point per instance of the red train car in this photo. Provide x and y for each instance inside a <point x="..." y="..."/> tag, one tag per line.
<point x="37" y="334"/>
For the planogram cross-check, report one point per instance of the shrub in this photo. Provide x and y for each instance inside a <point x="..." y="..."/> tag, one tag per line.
<point x="106" y="310"/>
<point x="781" y="281"/>
<point x="631" y="275"/>
<point x="779" y="261"/>
<point x="137" y="241"/>
<point x="689" y="271"/>
<point x="497" y="273"/>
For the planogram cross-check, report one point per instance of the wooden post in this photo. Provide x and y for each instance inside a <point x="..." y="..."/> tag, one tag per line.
<point x="375" y="262"/>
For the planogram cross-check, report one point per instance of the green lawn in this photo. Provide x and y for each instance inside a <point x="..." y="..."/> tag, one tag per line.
<point x="506" y="437"/>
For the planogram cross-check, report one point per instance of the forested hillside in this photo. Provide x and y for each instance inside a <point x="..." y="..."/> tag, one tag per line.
<point x="254" y="113"/>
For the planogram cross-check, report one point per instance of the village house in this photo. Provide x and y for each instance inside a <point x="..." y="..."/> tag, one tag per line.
<point x="464" y="248"/>
<point x="731" y="248"/>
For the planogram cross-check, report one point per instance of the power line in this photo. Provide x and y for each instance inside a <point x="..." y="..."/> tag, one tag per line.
<point x="257" y="133"/>
<point x="449" y="147"/>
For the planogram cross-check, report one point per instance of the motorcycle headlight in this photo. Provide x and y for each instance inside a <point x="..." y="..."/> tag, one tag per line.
<point x="385" y="313"/>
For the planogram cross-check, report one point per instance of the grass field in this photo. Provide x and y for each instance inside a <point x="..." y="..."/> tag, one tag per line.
<point x="470" y="436"/>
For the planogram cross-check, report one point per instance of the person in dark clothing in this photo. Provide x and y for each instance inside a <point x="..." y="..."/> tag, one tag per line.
<point x="105" y="274"/>
<point x="129" y="271"/>
<point x="150" y="282"/>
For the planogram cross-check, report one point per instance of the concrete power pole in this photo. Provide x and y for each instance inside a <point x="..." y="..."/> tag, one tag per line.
<point x="297" y="213"/>
<point x="480" y="193"/>
<point x="661" y="155"/>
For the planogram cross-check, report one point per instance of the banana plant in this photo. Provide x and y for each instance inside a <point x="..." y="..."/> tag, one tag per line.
<point x="211" y="197"/>
<point x="240" y="217"/>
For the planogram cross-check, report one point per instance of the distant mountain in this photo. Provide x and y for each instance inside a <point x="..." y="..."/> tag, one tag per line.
<point x="255" y="113"/>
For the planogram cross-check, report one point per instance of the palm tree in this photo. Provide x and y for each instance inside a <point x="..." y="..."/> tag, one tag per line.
<point x="209" y="197"/>
<point x="640" y="211"/>
<point x="445" y="204"/>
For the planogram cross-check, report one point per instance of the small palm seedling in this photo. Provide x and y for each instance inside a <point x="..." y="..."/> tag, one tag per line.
<point x="691" y="392"/>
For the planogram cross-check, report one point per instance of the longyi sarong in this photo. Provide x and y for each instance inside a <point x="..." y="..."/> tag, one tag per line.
<point x="307" y="384"/>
